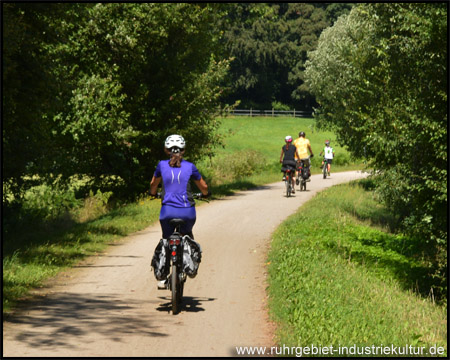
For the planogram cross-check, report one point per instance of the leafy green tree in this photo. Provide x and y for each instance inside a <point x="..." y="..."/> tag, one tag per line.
<point x="269" y="43"/>
<point x="110" y="81"/>
<point x="28" y="92"/>
<point x="380" y="77"/>
<point x="335" y="10"/>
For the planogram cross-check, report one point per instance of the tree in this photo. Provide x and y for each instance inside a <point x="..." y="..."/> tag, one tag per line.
<point x="121" y="77"/>
<point x="28" y="92"/>
<point x="269" y="43"/>
<point x="380" y="77"/>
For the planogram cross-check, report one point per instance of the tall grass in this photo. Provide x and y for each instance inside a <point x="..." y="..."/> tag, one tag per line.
<point x="338" y="276"/>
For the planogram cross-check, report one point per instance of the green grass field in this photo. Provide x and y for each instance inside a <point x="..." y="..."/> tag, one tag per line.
<point x="252" y="151"/>
<point x="266" y="135"/>
<point x="338" y="276"/>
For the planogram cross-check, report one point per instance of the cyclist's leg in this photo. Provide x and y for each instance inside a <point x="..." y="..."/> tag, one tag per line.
<point x="167" y="213"/>
<point x="292" y="168"/>
<point x="189" y="216"/>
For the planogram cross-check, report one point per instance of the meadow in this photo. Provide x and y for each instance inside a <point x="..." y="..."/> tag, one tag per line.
<point x="339" y="276"/>
<point x="252" y="149"/>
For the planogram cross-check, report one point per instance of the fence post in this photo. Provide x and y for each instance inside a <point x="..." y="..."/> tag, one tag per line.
<point x="273" y="113"/>
<point x="250" y="112"/>
<point x="294" y="112"/>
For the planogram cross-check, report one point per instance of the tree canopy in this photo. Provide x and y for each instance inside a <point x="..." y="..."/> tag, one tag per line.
<point x="269" y="44"/>
<point x="380" y="78"/>
<point x="96" y="88"/>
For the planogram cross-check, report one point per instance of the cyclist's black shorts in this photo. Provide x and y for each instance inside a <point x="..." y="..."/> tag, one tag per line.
<point x="286" y="167"/>
<point x="328" y="161"/>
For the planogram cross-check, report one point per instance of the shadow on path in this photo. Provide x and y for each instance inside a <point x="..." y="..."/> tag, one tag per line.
<point x="57" y="320"/>
<point x="189" y="304"/>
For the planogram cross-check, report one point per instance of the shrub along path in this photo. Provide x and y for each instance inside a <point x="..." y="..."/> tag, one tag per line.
<point x="109" y="305"/>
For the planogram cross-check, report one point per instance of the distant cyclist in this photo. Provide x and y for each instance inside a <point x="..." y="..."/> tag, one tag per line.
<point x="287" y="158"/>
<point x="328" y="155"/>
<point x="303" y="146"/>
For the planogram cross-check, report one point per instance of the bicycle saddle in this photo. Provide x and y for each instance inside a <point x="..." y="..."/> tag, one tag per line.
<point x="176" y="222"/>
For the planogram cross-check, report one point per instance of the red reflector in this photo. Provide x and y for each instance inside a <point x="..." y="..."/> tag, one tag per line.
<point x="174" y="253"/>
<point x="174" y="242"/>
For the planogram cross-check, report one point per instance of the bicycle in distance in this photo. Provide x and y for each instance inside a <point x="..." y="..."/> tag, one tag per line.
<point x="325" y="168"/>
<point x="288" y="181"/>
<point x="304" y="173"/>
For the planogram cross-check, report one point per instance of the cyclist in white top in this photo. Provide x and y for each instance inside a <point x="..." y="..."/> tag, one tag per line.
<point x="328" y="155"/>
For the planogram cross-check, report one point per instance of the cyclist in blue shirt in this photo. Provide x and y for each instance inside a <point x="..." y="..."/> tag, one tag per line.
<point x="176" y="196"/>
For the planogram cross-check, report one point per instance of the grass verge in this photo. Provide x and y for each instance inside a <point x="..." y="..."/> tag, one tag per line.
<point x="337" y="276"/>
<point x="37" y="253"/>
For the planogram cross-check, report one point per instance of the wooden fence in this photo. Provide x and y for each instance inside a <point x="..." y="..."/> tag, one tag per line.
<point x="273" y="113"/>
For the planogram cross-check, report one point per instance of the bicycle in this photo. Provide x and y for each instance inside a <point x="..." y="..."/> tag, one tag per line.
<point x="288" y="182"/>
<point x="324" y="169"/>
<point x="175" y="248"/>
<point x="302" y="175"/>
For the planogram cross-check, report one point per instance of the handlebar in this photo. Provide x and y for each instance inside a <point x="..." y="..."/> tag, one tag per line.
<point x="198" y="196"/>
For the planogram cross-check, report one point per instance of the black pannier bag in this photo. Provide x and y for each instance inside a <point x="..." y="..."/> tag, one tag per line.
<point x="192" y="256"/>
<point x="305" y="169"/>
<point x="161" y="261"/>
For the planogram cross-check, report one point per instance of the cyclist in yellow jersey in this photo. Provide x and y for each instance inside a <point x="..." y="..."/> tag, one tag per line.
<point x="303" y="145"/>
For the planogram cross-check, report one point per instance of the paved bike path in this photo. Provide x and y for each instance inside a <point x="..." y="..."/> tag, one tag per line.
<point x="109" y="305"/>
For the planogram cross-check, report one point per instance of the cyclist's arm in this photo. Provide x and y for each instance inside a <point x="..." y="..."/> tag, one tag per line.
<point x="310" y="150"/>
<point x="154" y="185"/>
<point x="201" y="184"/>
<point x="281" y="156"/>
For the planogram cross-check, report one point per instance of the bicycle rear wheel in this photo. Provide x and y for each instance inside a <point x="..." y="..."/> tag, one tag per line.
<point x="176" y="290"/>
<point x="288" y="186"/>
<point x="303" y="186"/>
<point x="325" y="170"/>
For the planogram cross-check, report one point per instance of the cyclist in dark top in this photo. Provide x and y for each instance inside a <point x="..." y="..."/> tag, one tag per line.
<point x="287" y="158"/>
<point x="176" y="196"/>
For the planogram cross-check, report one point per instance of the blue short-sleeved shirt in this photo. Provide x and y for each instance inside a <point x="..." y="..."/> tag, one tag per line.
<point x="175" y="181"/>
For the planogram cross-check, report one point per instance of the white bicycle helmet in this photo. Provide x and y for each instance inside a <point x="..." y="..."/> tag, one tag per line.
<point x="175" y="141"/>
<point x="288" y="138"/>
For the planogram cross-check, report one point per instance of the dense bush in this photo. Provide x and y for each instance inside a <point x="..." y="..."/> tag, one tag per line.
<point x="380" y="76"/>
